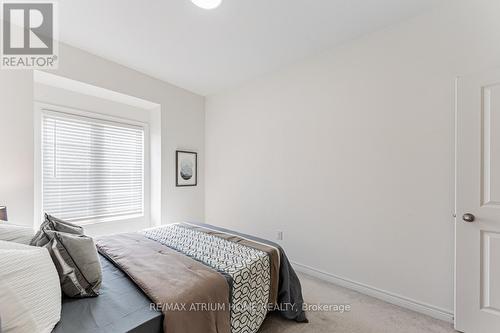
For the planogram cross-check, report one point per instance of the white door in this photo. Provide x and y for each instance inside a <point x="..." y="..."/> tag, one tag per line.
<point x="477" y="267"/>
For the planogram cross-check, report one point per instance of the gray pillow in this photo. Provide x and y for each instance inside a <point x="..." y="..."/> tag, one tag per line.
<point x="55" y="224"/>
<point x="74" y="255"/>
<point x="77" y="262"/>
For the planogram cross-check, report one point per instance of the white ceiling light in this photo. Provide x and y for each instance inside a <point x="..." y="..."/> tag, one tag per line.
<point x="207" y="4"/>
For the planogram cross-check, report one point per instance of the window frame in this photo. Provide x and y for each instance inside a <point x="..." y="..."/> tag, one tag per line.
<point x="42" y="109"/>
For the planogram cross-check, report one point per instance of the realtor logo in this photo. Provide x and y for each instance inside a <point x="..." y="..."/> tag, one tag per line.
<point x="28" y="35"/>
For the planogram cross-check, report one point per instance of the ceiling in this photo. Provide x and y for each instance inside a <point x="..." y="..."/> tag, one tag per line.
<point x="208" y="52"/>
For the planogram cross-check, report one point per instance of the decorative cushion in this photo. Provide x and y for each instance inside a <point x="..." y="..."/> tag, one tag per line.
<point x="30" y="294"/>
<point x="77" y="262"/>
<point x="16" y="233"/>
<point x="54" y="224"/>
<point x="74" y="255"/>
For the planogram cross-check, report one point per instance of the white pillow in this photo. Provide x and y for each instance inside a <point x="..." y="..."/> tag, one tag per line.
<point x="15" y="317"/>
<point x="28" y="275"/>
<point x="16" y="233"/>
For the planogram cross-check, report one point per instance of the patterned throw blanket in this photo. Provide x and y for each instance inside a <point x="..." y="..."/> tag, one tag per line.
<point x="248" y="268"/>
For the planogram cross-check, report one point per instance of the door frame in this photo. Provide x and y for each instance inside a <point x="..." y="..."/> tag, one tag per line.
<point x="455" y="196"/>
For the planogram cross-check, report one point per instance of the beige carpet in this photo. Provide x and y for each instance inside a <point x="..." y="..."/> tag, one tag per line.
<point x="368" y="315"/>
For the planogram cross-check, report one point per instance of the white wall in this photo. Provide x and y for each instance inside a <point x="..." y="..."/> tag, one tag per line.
<point x="182" y="123"/>
<point x="350" y="153"/>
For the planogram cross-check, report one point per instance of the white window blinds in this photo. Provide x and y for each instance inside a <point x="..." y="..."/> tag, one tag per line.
<point x="93" y="170"/>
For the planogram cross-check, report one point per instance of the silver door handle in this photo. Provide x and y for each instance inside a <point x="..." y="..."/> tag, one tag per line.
<point x="468" y="217"/>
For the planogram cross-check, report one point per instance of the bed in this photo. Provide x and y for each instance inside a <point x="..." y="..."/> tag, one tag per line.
<point x="121" y="307"/>
<point x="152" y="280"/>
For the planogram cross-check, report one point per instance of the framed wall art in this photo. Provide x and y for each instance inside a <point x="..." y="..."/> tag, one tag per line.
<point x="186" y="168"/>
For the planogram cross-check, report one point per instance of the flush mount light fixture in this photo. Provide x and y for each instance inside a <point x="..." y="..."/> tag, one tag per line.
<point x="207" y="4"/>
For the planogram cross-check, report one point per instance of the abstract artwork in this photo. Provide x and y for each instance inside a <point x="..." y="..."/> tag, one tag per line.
<point x="186" y="168"/>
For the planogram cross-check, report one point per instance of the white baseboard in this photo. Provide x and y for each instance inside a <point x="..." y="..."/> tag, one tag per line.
<point x="386" y="296"/>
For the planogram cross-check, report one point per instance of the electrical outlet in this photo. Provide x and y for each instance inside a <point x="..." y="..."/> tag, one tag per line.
<point x="279" y="235"/>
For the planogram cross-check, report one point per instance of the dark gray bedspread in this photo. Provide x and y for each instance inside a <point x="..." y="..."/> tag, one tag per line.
<point x="121" y="307"/>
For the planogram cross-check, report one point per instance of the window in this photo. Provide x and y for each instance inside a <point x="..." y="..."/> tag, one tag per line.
<point x="92" y="169"/>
